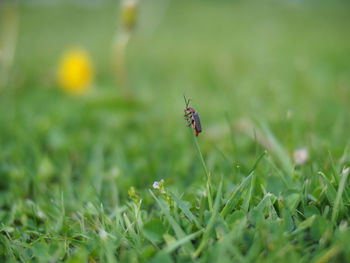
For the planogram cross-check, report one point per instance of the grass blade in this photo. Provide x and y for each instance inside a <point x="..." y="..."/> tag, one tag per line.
<point x="175" y="226"/>
<point x="338" y="199"/>
<point x="185" y="210"/>
<point x="210" y="200"/>
<point x="173" y="246"/>
<point x="211" y="222"/>
<point x="233" y="199"/>
<point x="277" y="148"/>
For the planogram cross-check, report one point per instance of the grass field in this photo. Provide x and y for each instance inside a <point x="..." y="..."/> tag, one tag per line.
<point x="267" y="78"/>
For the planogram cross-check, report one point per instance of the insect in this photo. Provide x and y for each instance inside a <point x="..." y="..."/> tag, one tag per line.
<point x="192" y="118"/>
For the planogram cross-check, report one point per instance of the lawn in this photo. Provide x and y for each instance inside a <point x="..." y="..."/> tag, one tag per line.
<point x="102" y="177"/>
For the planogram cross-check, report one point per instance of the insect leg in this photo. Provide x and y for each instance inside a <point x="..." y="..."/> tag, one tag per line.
<point x="193" y="124"/>
<point x="189" y="121"/>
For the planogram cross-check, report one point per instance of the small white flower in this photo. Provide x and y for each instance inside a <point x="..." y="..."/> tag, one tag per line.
<point x="103" y="234"/>
<point x="156" y="185"/>
<point x="301" y="156"/>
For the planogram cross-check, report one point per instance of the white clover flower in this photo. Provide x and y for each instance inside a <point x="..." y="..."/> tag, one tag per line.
<point x="301" y="156"/>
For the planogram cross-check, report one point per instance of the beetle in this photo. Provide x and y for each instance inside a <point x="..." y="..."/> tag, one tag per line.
<point x="192" y="118"/>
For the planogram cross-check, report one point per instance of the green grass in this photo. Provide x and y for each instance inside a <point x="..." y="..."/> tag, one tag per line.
<point x="267" y="78"/>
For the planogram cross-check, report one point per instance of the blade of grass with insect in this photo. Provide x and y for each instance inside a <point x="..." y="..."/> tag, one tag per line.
<point x="208" y="176"/>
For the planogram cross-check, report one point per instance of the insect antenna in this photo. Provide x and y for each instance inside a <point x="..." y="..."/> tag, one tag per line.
<point x="186" y="101"/>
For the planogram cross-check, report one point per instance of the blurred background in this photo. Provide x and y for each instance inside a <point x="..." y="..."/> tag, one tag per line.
<point x="92" y="91"/>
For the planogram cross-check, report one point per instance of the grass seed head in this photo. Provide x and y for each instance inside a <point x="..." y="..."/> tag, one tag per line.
<point x="129" y="14"/>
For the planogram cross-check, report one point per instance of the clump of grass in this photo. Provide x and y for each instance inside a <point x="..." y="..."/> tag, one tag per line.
<point x="67" y="167"/>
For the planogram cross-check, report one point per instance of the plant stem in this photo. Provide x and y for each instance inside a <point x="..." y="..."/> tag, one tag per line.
<point x="210" y="201"/>
<point x="120" y="62"/>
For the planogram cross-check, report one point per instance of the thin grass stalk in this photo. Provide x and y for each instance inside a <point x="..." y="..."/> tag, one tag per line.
<point x="206" y="236"/>
<point x="208" y="176"/>
<point x="127" y="24"/>
<point x="120" y="63"/>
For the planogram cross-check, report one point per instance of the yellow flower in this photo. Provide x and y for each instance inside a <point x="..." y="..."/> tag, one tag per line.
<point x="75" y="72"/>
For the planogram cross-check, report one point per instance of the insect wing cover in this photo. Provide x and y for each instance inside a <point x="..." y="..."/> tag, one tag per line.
<point x="197" y="122"/>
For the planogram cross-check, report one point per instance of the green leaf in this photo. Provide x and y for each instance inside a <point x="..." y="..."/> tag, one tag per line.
<point x="154" y="230"/>
<point x="304" y="224"/>
<point x="40" y="251"/>
<point x="310" y="211"/>
<point x="275" y="185"/>
<point x="174" y="245"/>
<point x="161" y="257"/>
<point x="319" y="227"/>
